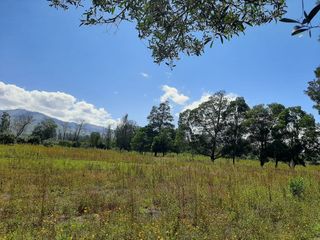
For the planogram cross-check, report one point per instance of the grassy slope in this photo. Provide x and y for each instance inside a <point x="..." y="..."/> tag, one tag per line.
<point x="60" y="193"/>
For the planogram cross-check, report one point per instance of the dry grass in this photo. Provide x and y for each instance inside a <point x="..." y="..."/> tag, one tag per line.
<point x="61" y="193"/>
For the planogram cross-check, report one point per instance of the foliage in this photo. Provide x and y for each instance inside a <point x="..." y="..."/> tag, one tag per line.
<point x="6" y="138"/>
<point x="95" y="140"/>
<point x="49" y="142"/>
<point x="259" y="123"/>
<point x="313" y="90"/>
<point x="124" y="133"/>
<point x="140" y="141"/>
<point x="175" y="27"/>
<point x="234" y="143"/>
<point x="306" y="23"/>
<point x="5" y="123"/>
<point x="297" y="186"/>
<point x="45" y="130"/>
<point x="206" y="124"/>
<point x="162" y="142"/>
<point x="160" y="117"/>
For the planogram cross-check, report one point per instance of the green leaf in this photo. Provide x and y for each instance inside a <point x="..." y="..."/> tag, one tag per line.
<point x="313" y="12"/>
<point x="289" y="20"/>
<point x="297" y="31"/>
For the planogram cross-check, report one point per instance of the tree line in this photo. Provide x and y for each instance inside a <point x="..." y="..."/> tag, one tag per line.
<point x="220" y="127"/>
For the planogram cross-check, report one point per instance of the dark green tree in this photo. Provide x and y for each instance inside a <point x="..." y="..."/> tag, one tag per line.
<point x="6" y="137"/>
<point x="206" y="123"/>
<point x="234" y="143"/>
<point x="180" y="143"/>
<point x="108" y="137"/>
<point x="162" y="142"/>
<point x="95" y="140"/>
<point x="299" y="134"/>
<point x="259" y="125"/>
<point x="124" y="133"/>
<point x="140" y="141"/>
<point x="277" y="149"/>
<point x="5" y="123"/>
<point x="45" y="130"/>
<point x="160" y="117"/>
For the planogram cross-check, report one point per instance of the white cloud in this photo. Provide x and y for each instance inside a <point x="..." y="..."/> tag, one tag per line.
<point x="59" y="105"/>
<point x="171" y="93"/>
<point x="204" y="98"/>
<point x="145" y="75"/>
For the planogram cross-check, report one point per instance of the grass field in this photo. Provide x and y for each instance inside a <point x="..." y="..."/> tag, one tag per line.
<point x="61" y="193"/>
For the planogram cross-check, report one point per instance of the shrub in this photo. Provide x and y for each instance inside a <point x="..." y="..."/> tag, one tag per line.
<point x="21" y="140"/>
<point x="297" y="186"/>
<point x="65" y="143"/>
<point x="6" y="138"/>
<point x="49" y="142"/>
<point x="35" y="140"/>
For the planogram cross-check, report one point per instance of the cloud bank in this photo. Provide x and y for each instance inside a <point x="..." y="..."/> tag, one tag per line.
<point x="171" y="93"/>
<point x="58" y="105"/>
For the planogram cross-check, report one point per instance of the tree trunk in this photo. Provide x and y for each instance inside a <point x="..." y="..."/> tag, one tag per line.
<point x="155" y="154"/>
<point x="234" y="159"/>
<point x="276" y="163"/>
<point x="292" y="164"/>
<point x="212" y="157"/>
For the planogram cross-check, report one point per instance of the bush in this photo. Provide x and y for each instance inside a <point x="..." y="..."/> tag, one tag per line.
<point x="65" y="143"/>
<point x="6" y="138"/>
<point x="76" y="144"/>
<point x="21" y="140"/>
<point x="49" y="142"/>
<point x="297" y="186"/>
<point x="35" y="140"/>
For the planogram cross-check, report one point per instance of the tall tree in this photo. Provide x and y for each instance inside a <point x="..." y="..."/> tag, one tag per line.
<point x="162" y="142"/>
<point x="234" y="144"/>
<point x="95" y="140"/>
<point x="21" y="123"/>
<point x="108" y="137"/>
<point x="277" y="149"/>
<point x="78" y="131"/>
<point x="174" y="27"/>
<point x="5" y="123"/>
<point x="299" y="129"/>
<point x="206" y="123"/>
<point x="259" y="123"/>
<point x="140" y="141"/>
<point x="124" y="133"/>
<point x="45" y="130"/>
<point x="160" y="117"/>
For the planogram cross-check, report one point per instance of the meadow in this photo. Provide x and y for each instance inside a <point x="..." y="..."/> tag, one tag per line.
<point x="66" y="193"/>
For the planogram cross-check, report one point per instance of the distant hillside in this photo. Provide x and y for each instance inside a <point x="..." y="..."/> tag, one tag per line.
<point x="38" y="117"/>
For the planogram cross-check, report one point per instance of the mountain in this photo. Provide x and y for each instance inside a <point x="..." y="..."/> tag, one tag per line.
<point x="38" y="117"/>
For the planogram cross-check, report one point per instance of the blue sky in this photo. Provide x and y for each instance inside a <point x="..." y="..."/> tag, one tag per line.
<point x="44" y="49"/>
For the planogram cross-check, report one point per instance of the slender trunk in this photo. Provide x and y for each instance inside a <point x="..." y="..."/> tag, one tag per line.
<point x="276" y="163"/>
<point x="234" y="159"/>
<point x="292" y="164"/>
<point x="212" y="157"/>
<point x="155" y="154"/>
<point x="213" y="152"/>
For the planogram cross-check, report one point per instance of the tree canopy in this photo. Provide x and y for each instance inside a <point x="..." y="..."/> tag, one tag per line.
<point x="175" y="27"/>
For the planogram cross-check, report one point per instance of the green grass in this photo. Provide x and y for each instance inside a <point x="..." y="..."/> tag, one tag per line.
<point x="61" y="193"/>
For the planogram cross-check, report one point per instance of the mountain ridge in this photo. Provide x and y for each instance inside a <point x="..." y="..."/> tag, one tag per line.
<point x="38" y="117"/>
